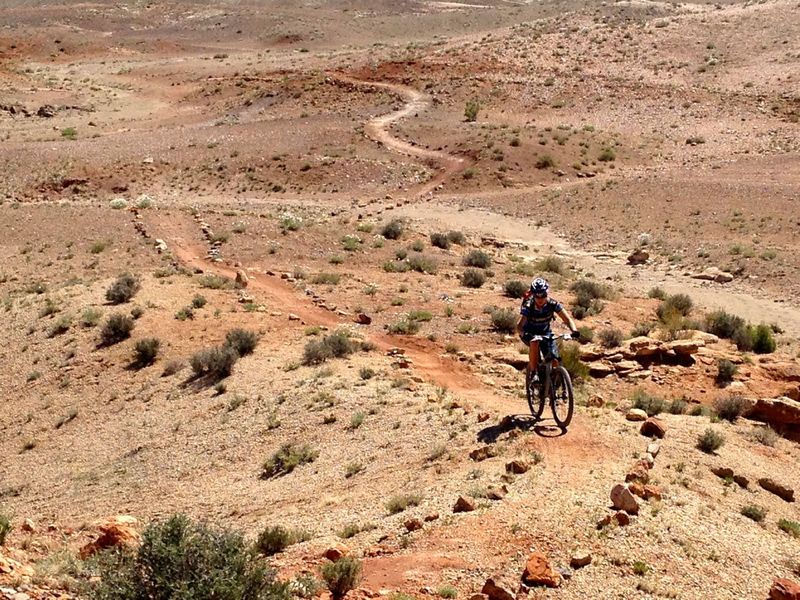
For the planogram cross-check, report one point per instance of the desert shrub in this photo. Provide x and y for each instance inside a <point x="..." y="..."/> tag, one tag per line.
<point x="588" y="295"/>
<point x="341" y="576"/>
<point x="552" y="264"/>
<point x="731" y="407"/>
<point x="172" y="367"/>
<point x="477" y="258"/>
<point x="336" y="345"/>
<point x="215" y="282"/>
<point x="137" y="312"/>
<point x="710" y="441"/>
<point x="440" y="240"/>
<point x="657" y="293"/>
<point x="287" y="458"/>
<point x="504" y="320"/>
<point x="473" y="278"/>
<point x="763" y="340"/>
<point x="423" y="264"/>
<point x="790" y="527"/>
<point x="216" y="362"/>
<point x="181" y="559"/>
<point x="90" y="317"/>
<point x="198" y="301"/>
<point x="606" y="155"/>
<point x="400" y="502"/>
<point x="515" y="288"/>
<point x="586" y="334"/>
<point x="117" y="328"/>
<point x="723" y="324"/>
<point x="123" y="289"/>
<point x="241" y="340"/>
<point x="642" y="329"/>
<point x="145" y="351"/>
<point x="420" y="315"/>
<point x="393" y="230"/>
<point x="678" y="406"/>
<point x="571" y="361"/>
<point x="366" y="373"/>
<point x="61" y="326"/>
<point x="457" y="237"/>
<point x="274" y="539"/>
<point x="471" y="109"/>
<point x="725" y="372"/>
<point x="766" y="435"/>
<point x="396" y="267"/>
<point x="447" y="591"/>
<point x="650" y="404"/>
<point x="757" y="513"/>
<point x="640" y="568"/>
<point x="185" y="313"/>
<point x="326" y="278"/>
<point x="610" y="337"/>
<point x="5" y="528"/>
<point x="545" y="161"/>
<point x="306" y="585"/>
<point x="676" y="304"/>
<point x="404" y="327"/>
<point x="417" y="246"/>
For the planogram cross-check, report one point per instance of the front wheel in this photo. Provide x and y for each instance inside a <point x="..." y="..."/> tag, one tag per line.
<point x="536" y="399"/>
<point x="561" y="398"/>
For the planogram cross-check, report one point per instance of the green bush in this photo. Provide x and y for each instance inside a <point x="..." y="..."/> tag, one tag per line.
<point x="473" y="278"/>
<point x="447" y="591"/>
<point x="216" y="282"/>
<point x="215" y="363"/>
<point x="242" y="341"/>
<point x="588" y="295"/>
<point x="181" y="559"/>
<point x="341" y="576"/>
<point x="766" y="435"/>
<point x="710" y="441"/>
<point x="678" y="406"/>
<point x="642" y="329"/>
<point x="400" y="502"/>
<point x="650" y="404"/>
<point x="757" y="513"/>
<point x="610" y="337"/>
<point x="763" y="340"/>
<point x="145" y="352"/>
<point x="545" y="161"/>
<point x="199" y="301"/>
<point x="723" y="324"/>
<point x="504" y="320"/>
<point x="657" y="293"/>
<point x="90" y="317"/>
<point x="478" y="258"/>
<point x="117" y="328"/>
<point x="440" y="240"/>
<point x="287" y="458"/>
<point x="677" y="304"/>
<point x="731" y="408"/>
<point x="5" y="528"/>
<point x="393" y="230"/>
<point x="586" y="334"/>
<point x="515" y="288"/>
<point x="552" y="264"/>
<point x="326" y="278"/>
<point x="336" y="345"/>
<point x="571" y="361"/>
<point x="790" y="527"/>
<point x="423" y="264"/>
<point x="123" y="289"/>
<point x="277" y="538"/>
<point x="404" y="327"/>
<point x="725" y="372"/>
<point x="471" y="109"/>
<point x="457" y="237"/>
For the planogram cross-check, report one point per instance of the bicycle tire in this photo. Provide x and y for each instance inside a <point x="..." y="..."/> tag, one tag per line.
<point x="536" y="402"/>
<point x="562" y="401"/>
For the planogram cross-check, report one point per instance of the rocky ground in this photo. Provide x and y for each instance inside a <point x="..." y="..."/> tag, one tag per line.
<point x="294" y="174"/>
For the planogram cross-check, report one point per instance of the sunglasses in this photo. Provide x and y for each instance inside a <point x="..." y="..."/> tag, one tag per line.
<point x="540" y="295"/>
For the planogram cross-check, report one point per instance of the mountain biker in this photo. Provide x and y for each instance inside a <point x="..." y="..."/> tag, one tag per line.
<point x="536" y="313"/>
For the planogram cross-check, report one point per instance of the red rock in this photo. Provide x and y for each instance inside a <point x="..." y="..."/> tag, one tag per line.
<point x="495" y="590"/>
<point x="638" y="473"/>
<point x="653" y="427"/>
<point x="517" y="467"/>
<point x="623" y="499"/>
<point x="776" y="488"/>
<point x="336" y="552"/>
<point x="363" y="319"/>
<point x="413" y="524"/>
<point x="622" y="518"/>
<point x="784" y="589"/>
<point x="637" y="489"/>
<point x="431" y="517"/>
<point x="539" y="572"/>
<point x="652" y="491"/>
<point x="114" y="533"/>
<point x="241" y="279"/>
<point x="464" y="504"/>
<point x="483" y="417"/>
<point x="483" y="453"/>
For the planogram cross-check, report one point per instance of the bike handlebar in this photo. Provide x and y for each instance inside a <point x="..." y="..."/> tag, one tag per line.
<point x="550" y="336"/>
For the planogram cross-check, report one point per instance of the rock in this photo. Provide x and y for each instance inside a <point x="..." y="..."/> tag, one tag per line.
<point x="495" y="590"/>
<point x="431" y="517"/>
<point x="241" y="278"/>
<point x="776" y="488"/>
<point x="600" y="369"/>
<point x="28" y="526"/>
<point x="714" y="274"/>
<point x="483" y="417"/>
<point x="641" y="347"/>
<point x="591" y="352"/>
<point x="722" y="472"/>
<point x="518" y="467"/>
<point x="604" y="522"/>
<point x="622" y="518"/>
<point x="638" y="257"/>
<point x="479" y="597"/>
<point x="483" y="453"/>
<point x="580" y="559"/>
<point x="539" y="572"/>
<point x="636" y="414"/>
<point x="741" y="481"/>
<point x="363" y="319"/>
<point x="653" y="449"/>
<point x="783" y="414"/>
<point x="293" y="317"/>
<point x="684" y="347"/>
<point x="115" y="532"/>
<point x="509" y="356"/>
<point x="496" y="493"/>
<point x="46" y="111"/>
<point x="784" y="589"/>
<point x="336" y="552"/>
<point x="638" y="473"/>
<point x="637" y="489"/>
<point x="622" y="499"/>
<point x="652" y="492"/>
<point x="648" y="458"/>
<point x="413" y="524"/>
<point x="653" y="427"/>
<point x="626" y="366"/>
<point x="464" y="504"/>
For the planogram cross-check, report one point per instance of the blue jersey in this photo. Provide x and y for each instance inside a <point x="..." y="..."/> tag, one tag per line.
<point x="538" y="319"/>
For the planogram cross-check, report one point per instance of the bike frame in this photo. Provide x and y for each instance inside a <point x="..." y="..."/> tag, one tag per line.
<point x="548" y="364"/>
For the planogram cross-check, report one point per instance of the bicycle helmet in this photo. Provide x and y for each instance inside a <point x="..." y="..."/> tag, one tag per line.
<point x="539" y="287"/>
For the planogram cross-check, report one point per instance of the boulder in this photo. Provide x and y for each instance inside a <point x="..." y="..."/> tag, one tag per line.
<point x="335" y="552"/>
<point x="483" y="453"/>
<point x="722" y="472"/>
<point x="518" y="466"/>
<point x="497" y="590"/>
<point x="431" y="517"/>
<point x="638" y="257"/>
<point x="114" y="533"/>
<point x="580" y="559"/>
<point x="784" y="589"/>
<point x="638" y="473"/>
<point x="652" y="492"/>
<point x="653" y="427"/>
<point x="483" y="417"/>
<point x="783" y="414"/>
<point x="622" y="518"/>
<point x="496" y="493"/>
<point x="684" y="347"/>
<point x="714" y="274"/>
<point x="600" y="369"/>
<point x="636" y="414"/>
<point x="413" y="524"/>
<point x="596" y="401"/>
<point x="623" y="499"/>
<point x="539" y="572"/>
<point x="627" y="366"/>
<point x="363" y="319"/>
<point x="641" y="347"/>
<point x="464" y="504"/>
<point x="241" y="278"/>
<point x="653" y="448"/>
<point x="591" y="352"/>
<point x="776" y="488"/>
<point x="28" y="526"/>
<point x="509" y="356"/>
<point x="477" y="597"/>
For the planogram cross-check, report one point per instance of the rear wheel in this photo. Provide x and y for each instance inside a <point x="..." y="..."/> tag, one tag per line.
<point x="536" y="399"/>
<point x="561" y="398"/>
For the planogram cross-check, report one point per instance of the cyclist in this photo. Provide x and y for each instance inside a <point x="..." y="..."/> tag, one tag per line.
<point x="536" y="312"/>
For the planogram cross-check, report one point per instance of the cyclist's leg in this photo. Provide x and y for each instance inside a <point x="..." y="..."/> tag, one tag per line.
<point x="533" y="357"/>
<point x="552" y="353"/>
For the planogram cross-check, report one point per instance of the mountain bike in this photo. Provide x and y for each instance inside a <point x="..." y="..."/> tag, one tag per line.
<point x="554" y="384"/>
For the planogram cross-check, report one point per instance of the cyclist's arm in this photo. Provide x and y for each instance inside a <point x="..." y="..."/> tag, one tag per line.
<point x="567" y="318"/>
<point x="521" y="324"/>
